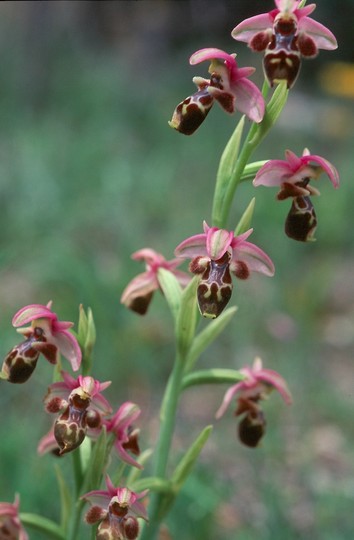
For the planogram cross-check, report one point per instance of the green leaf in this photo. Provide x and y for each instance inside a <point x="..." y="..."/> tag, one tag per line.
<point x="65" y="499"/>
<point x="49" y="528"/>
<point x="186" y="464"/>
<point x="208" y="335"/>
<point x="226" y="169"/>
<point x="187" y="317"/>
<point x="245" y="222"/>
<point x="212" y="376"/>
<point x="171" y="289"/>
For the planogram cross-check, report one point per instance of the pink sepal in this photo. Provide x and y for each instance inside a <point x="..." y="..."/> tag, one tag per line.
<point x="321" y="35"/>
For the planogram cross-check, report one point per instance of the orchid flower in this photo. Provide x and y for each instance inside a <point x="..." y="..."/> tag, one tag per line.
<point x="228" y="85"/>
<point x="81" y="405"/>
<point x="46" y="335"/>
<point x="293" y="176"/>
<point x="286" y="34"/>
<point x="126" y="437"/>
<point x="256" y="386"/>
<point x="215" y="253"/>
<point x="138" y="293"/>
<point x="10" y="524"/>
<point x="117" y="510"/>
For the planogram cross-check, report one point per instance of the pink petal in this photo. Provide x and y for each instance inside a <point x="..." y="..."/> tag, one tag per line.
<point x="245" y="72"/>
<point x="69" y="381"/>
<point x="138" y="508"/>
<point x="31" y="313"/>
<point x="274" y="379"/>
<point x="124" y="456"/>
<point x="294" y="161"/>
<point x="322" y="36"/>
<point x="249" y="99"/>
<point x="47" y="443"/>
<point x="112" y="490"/>
<point x="218" y="242"/>
<point x="230" y="394"/>
<point x="149" y="255"/>
<point x="210" y="54"/>
<point x="255" y="258"/>
<point x="172" y="264"/>
<point x="69" y="348"/>
<point x="251" y="26"/>
<point x="142" y="285"/>
<point x="100" y="403"/>
<point x="57" y="390"/>
<point x="328" y="168"/>
<point x="241" y="238"/>
<point x="98" y="498"/>
<point x="273" y="173"/>
<point x="194" y="246"/>
<point x="304" y="11"/>
<point x="127" y="413"/>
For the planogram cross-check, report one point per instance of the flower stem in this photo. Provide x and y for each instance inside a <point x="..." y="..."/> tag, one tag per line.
<point x="167" y="423"/>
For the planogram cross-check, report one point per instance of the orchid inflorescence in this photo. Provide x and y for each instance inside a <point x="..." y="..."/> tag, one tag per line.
<point x="84" y="417"/>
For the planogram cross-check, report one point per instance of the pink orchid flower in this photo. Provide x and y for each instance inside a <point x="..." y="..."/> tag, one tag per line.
<point x="256" y="386"/>
<point x="117" y="510"/>
<point x="293" y="176"/>
<point x="81" y="405"/>
<point x="46" y="335"/>
<point x="126" y="437"/>
<point x="138" y="293"/>
<point x="10" y="524"/>
<point x="215" y="253"/>
<point x="228" y="85"/>
<point x="286" y="34"/>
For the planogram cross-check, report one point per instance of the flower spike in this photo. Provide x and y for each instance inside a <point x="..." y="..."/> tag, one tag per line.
<point x="228" y="85"/>
<point x="286" y="34"/>
<point x="215" y="255"/>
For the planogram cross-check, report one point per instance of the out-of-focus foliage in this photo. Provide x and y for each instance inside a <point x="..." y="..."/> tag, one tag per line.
<point x="90" y="172"/>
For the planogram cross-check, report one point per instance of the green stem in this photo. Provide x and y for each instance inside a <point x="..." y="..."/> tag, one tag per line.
<point x="249" y="146"/>
<point x="75" y="524"/>
<point x="43" y="525"/>
<point x="167" y="423"/>
<point x="223" y="198"/>
<point x="77" y="469"/>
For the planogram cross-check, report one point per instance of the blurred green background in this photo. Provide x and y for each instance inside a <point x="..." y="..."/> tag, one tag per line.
<point x="90" y="172"/>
